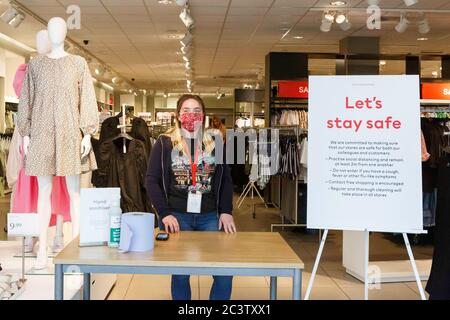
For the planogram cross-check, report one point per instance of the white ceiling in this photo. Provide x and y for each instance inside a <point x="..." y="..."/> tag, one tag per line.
<point x="231" y="37"/>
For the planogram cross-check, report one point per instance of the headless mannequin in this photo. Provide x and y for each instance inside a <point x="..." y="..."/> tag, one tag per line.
<point x="57" y="32"/>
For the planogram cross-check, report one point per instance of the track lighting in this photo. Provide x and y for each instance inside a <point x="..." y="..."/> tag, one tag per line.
<point x="346" y="25"/>
<point x="326" y="25"/>
<point x="187" y="39"/>
<point x="186" y="18"/>
<point x="116" y="80"/>
<point x="99" y="70"/>
<point x="187" y="57"/>
<point x="424" y="27"/>
<point x="403" y="24"/>
<point x="410" y="3"/>
<point x="186" y="50"/>
<point x="329" y="16"/>
<point x="340" y="18"/>
<point x="13" y="17"/>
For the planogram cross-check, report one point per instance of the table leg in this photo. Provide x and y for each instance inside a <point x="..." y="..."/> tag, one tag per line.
<point x="297" y="285"/>
<point x="273" y="288"/>
<point x="87" y="286"/>
<point x="59" y="282"/>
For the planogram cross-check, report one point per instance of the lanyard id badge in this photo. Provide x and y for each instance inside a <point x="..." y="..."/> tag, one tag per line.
<point x="194" y="202"/>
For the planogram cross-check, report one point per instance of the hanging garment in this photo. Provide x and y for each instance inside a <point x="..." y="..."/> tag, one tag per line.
<point x="438" y="285"/>
<point x="14" y="162"/>
<point x="125" y="171"/>
<point x="57" y="105"/>
<point x="26" y="191"/>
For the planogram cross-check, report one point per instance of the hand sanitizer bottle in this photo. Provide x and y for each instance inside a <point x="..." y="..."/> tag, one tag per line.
<point x="115" y="215"/>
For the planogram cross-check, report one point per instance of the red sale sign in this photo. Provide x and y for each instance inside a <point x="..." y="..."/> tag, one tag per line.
<point x="293" y="89"/>
<point x="436" y="91"/>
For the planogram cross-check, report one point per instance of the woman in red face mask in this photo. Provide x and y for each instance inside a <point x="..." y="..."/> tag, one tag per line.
<point x="189" y="187"/>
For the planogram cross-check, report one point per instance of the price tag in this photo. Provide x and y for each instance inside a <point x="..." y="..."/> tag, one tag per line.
<point x="23" y="224"/>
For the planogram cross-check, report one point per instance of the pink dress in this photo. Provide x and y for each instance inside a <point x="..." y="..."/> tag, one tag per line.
<point x="26" y="189"/>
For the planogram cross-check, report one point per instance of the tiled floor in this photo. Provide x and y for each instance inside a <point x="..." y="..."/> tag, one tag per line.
<point x="332" y="282"/>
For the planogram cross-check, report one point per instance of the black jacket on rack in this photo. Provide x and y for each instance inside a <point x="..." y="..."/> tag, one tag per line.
<point x="124" y="170"/>
<point x="127" y="171"/>
<point x="438" y="285"/>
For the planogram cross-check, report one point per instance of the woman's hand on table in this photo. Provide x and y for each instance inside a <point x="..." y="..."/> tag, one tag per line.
<point x="226" y="222"/>
<point x="171" y="224"/>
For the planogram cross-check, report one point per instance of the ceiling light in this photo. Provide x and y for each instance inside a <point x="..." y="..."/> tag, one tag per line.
<point x="99" y="70"/>
<point x="410" y="3"/>
<point x="187" y="39"/>
<point x="186" y="18"/>
<point x="188" y="65"/>
<point x="181" y="2"/>
<point x="424" y="27"/>
<point x="175" y="36"/>
<point x="185" y="50"/>
<point x="422" y="39"/>
<point x="18" y="19"/>
<point x="326" y="25"/>
<point x="165" y="2"/>
<point x="340" y="18"/>
<point x="434" y="73"/>
<point x="329" y="16"/>
<point x="116" y="80"/>
<point x="298" y="37"/>
<point x="338" y="3"/>
<point x="13" y="17"/>
<point x="9" y="14"/>
<point x="346" y="25"/>
<point x="403" y="24"/>
<point x="382" y="62"/>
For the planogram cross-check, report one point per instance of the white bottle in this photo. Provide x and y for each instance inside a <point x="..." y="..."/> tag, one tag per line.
<point x="115" y="215"/>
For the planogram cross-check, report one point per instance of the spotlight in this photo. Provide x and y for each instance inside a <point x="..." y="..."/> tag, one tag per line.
<point x="187" y="57"/>
<point x="99" y="70"/>
<point x="410" y="3"/>
<point x="340" y="18"/>
<point x="186" y="18"/>
<point x="403" y="24"/>
<point x="187" y="39"/>
<point x="326" y="25"/>
<point x="9" y="14"/>
<point x="424" y="27"/>
<point x="329" y="16"/>
<point x="188" y="65"/>
<point x="165" y="94"/>
<point x="17" y="21"/>
<point x="186" y="50"/>
<point x="346" y="25"/>
<point x="116" y="80"/>
<point x="13" y="17"/>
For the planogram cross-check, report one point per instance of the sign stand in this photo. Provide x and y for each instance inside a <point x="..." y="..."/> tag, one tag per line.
<point x="366" y="278"/>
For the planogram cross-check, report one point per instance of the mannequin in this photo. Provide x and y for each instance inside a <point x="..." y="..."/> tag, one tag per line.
<point x="57" y="32"/>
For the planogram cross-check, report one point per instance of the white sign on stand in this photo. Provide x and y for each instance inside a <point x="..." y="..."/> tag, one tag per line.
<point x="94" y="219"/>
<point x="364" y="156"/>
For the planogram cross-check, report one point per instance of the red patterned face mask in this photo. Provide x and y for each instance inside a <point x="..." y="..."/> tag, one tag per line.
<point x="188" y="120"/>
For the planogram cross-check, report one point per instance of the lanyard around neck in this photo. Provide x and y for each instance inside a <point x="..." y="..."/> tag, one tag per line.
<point x="194" y="163"/>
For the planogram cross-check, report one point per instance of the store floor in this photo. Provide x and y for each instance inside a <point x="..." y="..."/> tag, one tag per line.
<point x="332" y="282"/>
